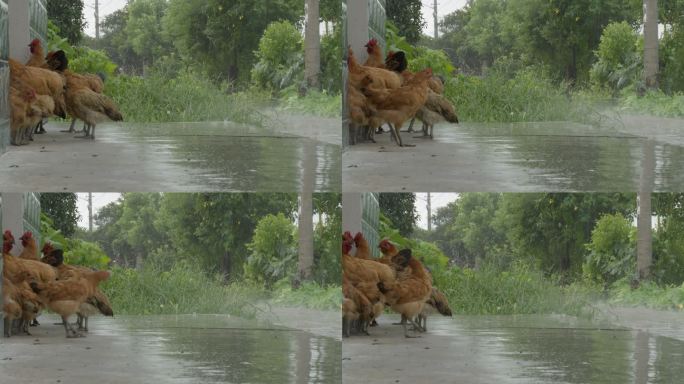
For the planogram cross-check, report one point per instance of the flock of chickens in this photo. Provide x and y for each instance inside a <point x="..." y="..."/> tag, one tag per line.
<point x="31" y="284"/>
<point x="384" y="91"/>
<point x="397" y="280"/>
<point x="45" y="87"/>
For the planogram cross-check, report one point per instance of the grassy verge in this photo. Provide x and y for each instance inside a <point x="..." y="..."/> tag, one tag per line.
<point x="647" y="295"/>
<point x="187" y="97"/>
<point x="519" y="291"/>
<point x="309" y="295"/>
<point x="186" y="289"/>
<point x="314" y="103"/>
<point x="654" y="103"/>
<point x="528" y="96"/>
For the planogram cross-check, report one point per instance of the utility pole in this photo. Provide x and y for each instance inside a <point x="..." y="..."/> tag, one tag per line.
<point x="429" y="213"/>
<point x="97" y="22"/>
<point x="90" y="211"/>
<point x="434" y="14"/>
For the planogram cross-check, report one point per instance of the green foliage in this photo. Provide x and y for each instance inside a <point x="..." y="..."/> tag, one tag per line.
<point x="671" y="54"/>
<point x="78" y="252"/>
<point x="67" y="15"/>
<point x="419" y="57"/>
<point x="183" y="289"/>
<point x="649" y="294"/>
<point x="529" y="96"/>
<point x="619" y="61"/>
<point x="309" y="294"/>
<point x="331" y="61"/>
<point x="81" y="59"/>
<point x="280" y="57"/>
<point x="222" y="35"/>
<point x="190" y="96"/>
<point x="429" y="254"/>
<point x="314" y="103"/>
<point x="400" y="209"/>
<point x="327" y="268"/>
<point x="654" y="103"/>
<point x="61" y="209"/>
<point x="273" y="251"/>
<point x="407" y="16"/>
<point x="144" y="30"/>
<point x="521" y="290"/>
<point x="612" y="250"/>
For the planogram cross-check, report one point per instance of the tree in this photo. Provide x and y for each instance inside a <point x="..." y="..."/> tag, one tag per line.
<point x="61" y="209"/>
<point x="222" y="35"/>
<point x="312" y="44"/>
<point x="400" y="209"/>
<point x="68" y="16"/>
<point x="651" y="44"/>
<point x="306" y="238"/>
<point x="407" y="16"/>
<point x="144" y="30"/>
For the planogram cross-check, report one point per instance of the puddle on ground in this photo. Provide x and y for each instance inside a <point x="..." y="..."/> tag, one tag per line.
<point x="563" y="349"/>
<point x="223" y="349"/>
<point x="558" y="156"/>
<point x="229" y="156"/>
<point x="570" y="156"/>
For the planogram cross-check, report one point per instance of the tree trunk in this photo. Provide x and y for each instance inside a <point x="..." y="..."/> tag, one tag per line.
<point x="312" y="43"/>
<point x="305" y="236"/>
<point x="644" y="236"/>
<point x="651" y="44"/>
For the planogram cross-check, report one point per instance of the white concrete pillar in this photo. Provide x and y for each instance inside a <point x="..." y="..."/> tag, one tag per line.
<point x="357" y="27"/>
<point x="13" y="217"/>
<point x="19" y="30"/>
<point x="352" y="212"/>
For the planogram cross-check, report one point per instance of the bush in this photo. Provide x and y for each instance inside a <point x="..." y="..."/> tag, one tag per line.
<point x="314" y="103"/>
<point x="273" y="251"/>
<point x="619" y="59"/>
<point x="77" y="252"/>
<point x="280" y="59"/>
<point x="612" y="250"/>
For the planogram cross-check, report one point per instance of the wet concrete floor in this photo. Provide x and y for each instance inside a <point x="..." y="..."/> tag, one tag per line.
<point x="523" y="157"/>
<point x="520" y="349"/>
<point x="173" y="349"/>
<point x="289" y="152"/>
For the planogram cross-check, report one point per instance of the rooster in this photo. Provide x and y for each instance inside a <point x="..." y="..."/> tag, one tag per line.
<point x="374" y="55"/>
<point x="37" y="58"/>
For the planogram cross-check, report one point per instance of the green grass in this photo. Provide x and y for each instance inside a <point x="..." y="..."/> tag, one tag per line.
<point x="653" y="103"/>
<point x="314" y="103"/>
<point x="520" y="291"/>
<point x="185" y="289"/>
<point x="648" y="295"/>
<point x="526" y="97"/>
<point x="182" y="289"/>
<point x="186" y="98"/>
<point x="309" y="295"/>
